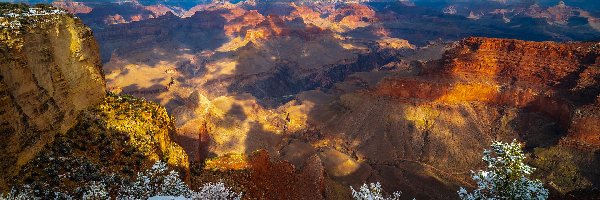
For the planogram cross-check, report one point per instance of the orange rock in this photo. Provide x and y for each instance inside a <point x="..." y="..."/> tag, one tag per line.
<point x="545" y="77"/>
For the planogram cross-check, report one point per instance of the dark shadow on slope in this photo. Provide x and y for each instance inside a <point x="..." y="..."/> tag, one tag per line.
<point x="166" y="35"/>
<point x="425" y="22"/>
<point x="555" y="113"/>
<point x="102" y="13"/>
<point x="236" y="111"/>
<point x="259" y="138"/>
<point x="288" y="79"/>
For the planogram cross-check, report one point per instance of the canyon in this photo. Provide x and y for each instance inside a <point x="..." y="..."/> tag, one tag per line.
<point x="291" y="100"/>
<point x="343" y="84"/>
<point x="54" y="98"/>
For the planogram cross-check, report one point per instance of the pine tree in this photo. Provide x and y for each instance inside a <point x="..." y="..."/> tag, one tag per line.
<point x="505" y="177"/>
<point x="372" y="191"/>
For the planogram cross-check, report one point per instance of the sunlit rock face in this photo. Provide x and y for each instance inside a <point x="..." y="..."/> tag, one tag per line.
<point x="421" y="128"/>
<point x="481" y="90"/>
<point x="58" y="126"/>
<point x="49" y="72"/>
<point x="525" y="75"/>
<point x="236" y="60"/>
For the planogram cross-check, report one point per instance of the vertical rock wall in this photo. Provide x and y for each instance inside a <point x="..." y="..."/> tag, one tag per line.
<point x="49" y="71"/>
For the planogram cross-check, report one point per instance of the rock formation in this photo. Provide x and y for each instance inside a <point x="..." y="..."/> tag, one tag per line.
<point x="73" y="7"/>
<point x="336" y="85"/>
<point x="49" y="72"/>
<point x="58" y="126"/>
<point x="421" y="128"/>
<point x="320" y="80"/>
<point x="542" y="93"/>
<point x="111" y="142"/>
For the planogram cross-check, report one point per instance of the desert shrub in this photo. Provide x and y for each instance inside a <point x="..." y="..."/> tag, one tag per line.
<point x="160" y="182"/>
<point x="559" y="166"/>
<point x="156" y="181"/>
<point x="216" y="191"/>
<point x="372" y="191"/>
<point x="24" y="193"/>
<point x="505" y="177"/>
<point x="96" y="191"/>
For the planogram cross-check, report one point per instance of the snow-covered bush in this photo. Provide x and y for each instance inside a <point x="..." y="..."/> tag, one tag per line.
<point x="25" y="193"/>
<point x="372" y="192"/>
<point x="160" y="183"/>
<point x="157" y="181"/>
<point x="62" y="196"/>
<point x="216" y="191"/>
<point x="505" y="177"/>
<point x="212" y="191"/>
<point x="96" y="191"/>
<point x="172" y="185"/>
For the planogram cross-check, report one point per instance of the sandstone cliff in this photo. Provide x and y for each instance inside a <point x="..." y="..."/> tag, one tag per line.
<point x="49" y="72"/>
<point x="58" y="126"/>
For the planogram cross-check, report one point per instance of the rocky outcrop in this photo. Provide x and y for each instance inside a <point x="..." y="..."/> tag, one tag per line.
<point x="110" y="143"/>
<point x="483" y="70"/>
<point x="353" y="16"/>
<point x="58" y="126"/>
<point x="49" y="72"/>
<point x="108" y="13"/>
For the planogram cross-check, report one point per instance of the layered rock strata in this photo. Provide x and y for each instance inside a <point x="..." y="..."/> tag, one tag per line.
<point x="56" y="119"/>
<point x="49" y="72"/>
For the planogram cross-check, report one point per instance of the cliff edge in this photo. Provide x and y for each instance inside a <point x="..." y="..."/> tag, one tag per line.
<point x="49" y="72"/>
<point x="53" y="102"/>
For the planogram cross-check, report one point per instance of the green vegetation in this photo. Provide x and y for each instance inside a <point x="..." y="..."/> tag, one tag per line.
<point x="372" y="191"/>
<point x="559" y="167"/>
<point x="506" y="176"/>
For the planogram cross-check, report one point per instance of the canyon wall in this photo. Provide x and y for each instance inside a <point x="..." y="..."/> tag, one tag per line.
<point x="53" y="104"/>
<point x="48" y="74"/>
<point x="544" y="94"/>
